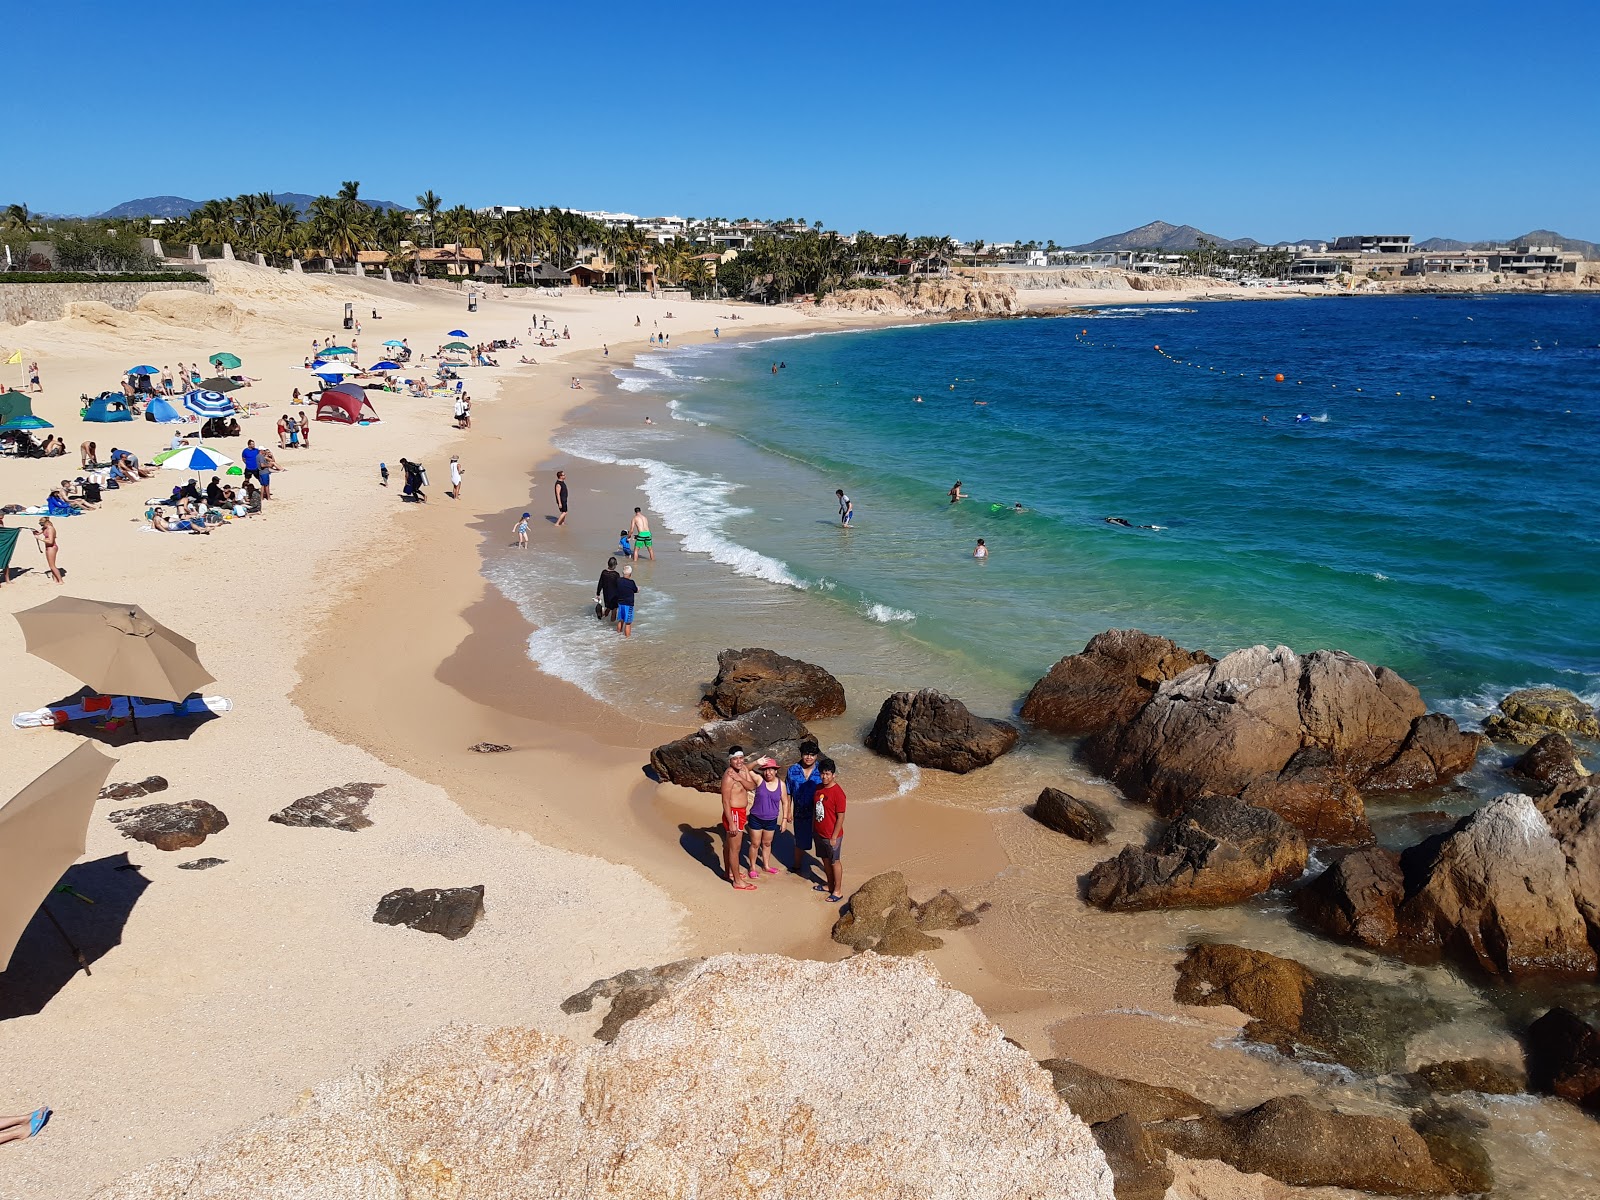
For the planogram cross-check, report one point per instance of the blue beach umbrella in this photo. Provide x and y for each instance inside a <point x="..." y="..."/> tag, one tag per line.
<point x="144" y="370"/>
<point x="385" y="365"/>
<point x="208" y="404"/>
<point x="196" y="459"/>
<point x="27" y="422"/>
<point x="457" y="333"/>
<point x="394" y="342"/>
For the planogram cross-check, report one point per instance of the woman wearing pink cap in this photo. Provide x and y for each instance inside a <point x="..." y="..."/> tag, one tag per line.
<point x="770" y="811"/>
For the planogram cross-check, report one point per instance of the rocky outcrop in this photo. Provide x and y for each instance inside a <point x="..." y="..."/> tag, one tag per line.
<point x="748" y="679"/>
<point x="1066" y="813"/>
<point x="698" y="760"/>
<point x="932" y="729"/>
<point x="754" y="1075"/>
<point x="1564" y="1057"/>
<point x="1303" y="1013"/>
<point x="1494" y="892"/>
<point x="1216" y="851"/>
<point x="1301" y="736"/>
<point x="629" y="993"/>
<point x="1356" y="898"/>
<point x="1294" y="1141"/>
<point x="343" y="808"/>
<point x="1106" y="683"/>
<point x="1574" y="820"/>
<point x="1552" y="762"/>
<point x="449" y="912"/>
<point x="171" y="826"/>
<point x="881" y="916"/>
<point x="119" y="792"/>
<point x="926" y="295"/>
<point x="1527" y="715"/>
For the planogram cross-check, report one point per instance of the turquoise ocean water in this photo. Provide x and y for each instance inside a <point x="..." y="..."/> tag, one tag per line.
<point x="1431" y="510"/>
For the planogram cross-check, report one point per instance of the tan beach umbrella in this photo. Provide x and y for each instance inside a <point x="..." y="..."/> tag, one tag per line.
<point x="42" y="830"/>
<point x="117" y="649"/>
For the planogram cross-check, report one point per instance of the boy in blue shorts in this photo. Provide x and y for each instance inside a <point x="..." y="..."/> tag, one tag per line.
<point x="627" y="590"/>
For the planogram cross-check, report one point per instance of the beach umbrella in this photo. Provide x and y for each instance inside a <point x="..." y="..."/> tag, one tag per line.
<point x="195" y="459"/>
<point x="394" y="342"/>
<point x="224" y="361"/>
<point x="332" y="368"/>
<point x="337" y="352"/>
<point x="42" y="832"/>
<point x="208" y="404"/>
<point x="144" y="370"/>
<point x="385" y="365"/>
<point x="27" y="422"/>
<point x="117" y="649"/>
<point x="457" y="333"/>
<point x="457" y="346"/>
<point x="219" y="384"/>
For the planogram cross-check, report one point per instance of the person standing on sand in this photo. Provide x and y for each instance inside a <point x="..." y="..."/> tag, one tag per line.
<point x="828" y="813"/>
<point x="305" y="429"/>
<point x="522" y="531"/>
<point x="737" y="782"/>
<point x="769" y="812"/>
<point x="605" y="592"/>
<point x="33" y="378"/>
<point x="847" y="511"/>
<point x="49" y="541"/>
<point x="455" y="478"/>
<point x="561" y="498"/>
<point x="266" y="464"/>
<point x="640" y="529"/>
<point x="804" y="779"/>
<point x="627" y="593"/>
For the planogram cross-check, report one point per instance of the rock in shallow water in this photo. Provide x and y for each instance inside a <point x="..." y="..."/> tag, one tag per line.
<point x="1355" y="899"/>
<point x="1066" y="813"/>
<point x="1107" y="682"/>
<point x="1097" y="1098"/>
<point x="449" y="912"/>
<point x="699" y="759"/>
<point x="748" y="679"/>
<point x="755" y="1075"/>
<point x="171" y="826"/>
<point x="1527" y="715"/>
<point x="1564" y="1057"/>
<point x="934" y="730"/>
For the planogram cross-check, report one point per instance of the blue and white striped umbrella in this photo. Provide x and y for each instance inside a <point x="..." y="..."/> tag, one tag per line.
<point x="208" y="404"/>
<point x="196" y="459"/>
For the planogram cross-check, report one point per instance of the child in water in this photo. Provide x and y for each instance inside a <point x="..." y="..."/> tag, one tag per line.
<point x="624" y="546"/>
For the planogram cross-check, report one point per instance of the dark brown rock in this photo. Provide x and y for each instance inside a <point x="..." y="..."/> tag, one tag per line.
<point x="934" y="730"/>
<point x="1217" y="851"/>
<point x="630" y="993"/>
<point x="488" y="748"/>
<point x="1066" y="813"/>
<point x="201" y="864"/>
<point x="1094" y="1097"/>
<point x="1293" y="1141"/>
<point x="171" y="826"/>
<point x="1454" y="1138"/>
<point x="132" y="791"/>
<point x="1471" y="1075"/>
<point x="1574" y="820"/>
<point x="449" y="912"/>
<point x="343" y="808"/>
<point x="1434" y="752"/>
<point x="1527" y="715"/>
<point x="1564" y="1057"/>
<point x="699" y="759"/>
<point x="881" y="916"/>
<point x="748" y="679"/>
<point x="1355" y="899"/>
<point x="1106" y="683"/>
<point x="1138" y="1165"/>
<point x="1551" y="762"/>
<point x="1316" y="795"/>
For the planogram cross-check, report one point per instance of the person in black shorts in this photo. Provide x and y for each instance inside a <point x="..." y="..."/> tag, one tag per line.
<point x="561" y="497"/>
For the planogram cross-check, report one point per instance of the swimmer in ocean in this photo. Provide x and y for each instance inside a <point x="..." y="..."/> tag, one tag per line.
<point x="1128" y="524"/>
<point x="1017" y="507"/>
<point x="956" y="493"/>
<point x="1301" y="418"/>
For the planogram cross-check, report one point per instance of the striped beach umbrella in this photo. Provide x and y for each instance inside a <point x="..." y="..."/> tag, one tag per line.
<point x="208" y="404"/>
<point x="196" y="459"/>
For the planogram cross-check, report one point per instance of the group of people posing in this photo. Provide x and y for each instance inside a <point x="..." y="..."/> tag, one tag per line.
<point x="760" y="801"/>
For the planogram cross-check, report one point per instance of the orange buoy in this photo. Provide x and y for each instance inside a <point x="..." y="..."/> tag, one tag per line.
<point x="1277" y="378"/>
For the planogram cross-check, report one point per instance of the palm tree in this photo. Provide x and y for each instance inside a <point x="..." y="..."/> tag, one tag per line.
<point x="18" y="218"/>
<point x="429" y="205"/>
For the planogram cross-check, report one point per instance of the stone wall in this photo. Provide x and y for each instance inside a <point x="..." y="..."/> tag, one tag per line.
<point x="20" y="302"/>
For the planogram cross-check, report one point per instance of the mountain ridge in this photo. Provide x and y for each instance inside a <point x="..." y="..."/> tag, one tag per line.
<point x="172" y="207"/>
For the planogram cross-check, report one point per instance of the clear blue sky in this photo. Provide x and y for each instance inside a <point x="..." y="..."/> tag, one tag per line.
<point x="995" y="120"/>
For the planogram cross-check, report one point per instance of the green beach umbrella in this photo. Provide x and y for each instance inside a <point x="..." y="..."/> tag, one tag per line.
<point x="224" y="361"/>
<point x="337" y="351"/>
<point x="457" y="346"/>
<point x="28" y="422"/>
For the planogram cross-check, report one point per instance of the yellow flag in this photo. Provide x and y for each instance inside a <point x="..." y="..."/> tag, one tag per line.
<point x="15" y="358"/>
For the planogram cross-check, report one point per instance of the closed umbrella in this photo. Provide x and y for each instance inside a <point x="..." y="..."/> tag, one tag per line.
<point x="220" y="384"/>
<point x="224" y="361"/>
<point x="117" y="649"/>
<point x="208" y="404"/>
<point x="42" y="832"/>
<point x="195" y="459"/>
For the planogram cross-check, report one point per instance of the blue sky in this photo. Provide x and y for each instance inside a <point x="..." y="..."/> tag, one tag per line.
<point x="998" y="120"/>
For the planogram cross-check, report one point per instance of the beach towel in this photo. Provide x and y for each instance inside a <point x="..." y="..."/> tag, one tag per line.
<point x="56" y="508"/>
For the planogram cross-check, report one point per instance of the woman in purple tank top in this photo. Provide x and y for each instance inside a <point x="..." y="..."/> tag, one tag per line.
<point x="770" y="810"/>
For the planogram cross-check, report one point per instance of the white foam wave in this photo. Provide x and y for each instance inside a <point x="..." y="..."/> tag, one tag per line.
<point x="1137" y="310"/>
<point x="569" y="645"/>
<point x="906" y="778"/>
<point x="885" y="615"/>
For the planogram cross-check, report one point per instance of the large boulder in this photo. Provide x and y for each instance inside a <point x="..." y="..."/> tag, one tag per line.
<point x="449" y="912"/>
<point x="1066" y="813"/>
<point x="1107" y="682"/>
<point x="1296" y="1142"/>
<point x="699" y="759"/>
<point x="1527" y="715"/>
<point x="171" y="826"/>
<point x="1574" y="820"/>
<point x="1436" y="750"/>
<point x="753" y="1075"/>
<point x="881" y="916"/>
<point x="932" y="729"/>
<point x="1551" y="762"/>
<point x="748" y="679"/>
<point x="1564" y="1057"/>
<point x="1216" y="851"/>
<point x="1355" y="899"/>
<point x="1494" y="892"/>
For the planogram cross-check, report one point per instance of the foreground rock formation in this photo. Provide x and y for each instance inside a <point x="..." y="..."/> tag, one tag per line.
<point x="1301" y="736"/>
<point x="748" y="679"/>
<point x="753" y="1076"/>
<point x="932" y="729"/>
<point x="881" y="916"/>
<point x="699" y="759"/>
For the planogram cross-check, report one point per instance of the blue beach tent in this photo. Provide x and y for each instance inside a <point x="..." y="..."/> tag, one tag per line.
<point x="108" y="408"/>
<point x="162" y="411"/>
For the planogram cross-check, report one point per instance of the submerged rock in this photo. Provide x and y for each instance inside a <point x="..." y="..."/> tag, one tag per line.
<point x="449" y="912"/>
<point x="1355" y="899"/>
<point x="132" y="791"/>
<point x="1564" y="1057"/>
<point x="1527" y="715"/>
<point x="881" y="916"/>
<point x="1066" y="813"/>
<point x="934" y="730"/>
<point x="1216" y="851"/>
<point x="699" y="759"/>
<point x="343" y="808"/>
<point x="171" y="826"/>
<point x="748" y="679"/>
<point x="1454" y="1139"/>
<point x="754" y="1075"/>
<point x="1107" y="682"/>
<point x="1471" y="1075"/>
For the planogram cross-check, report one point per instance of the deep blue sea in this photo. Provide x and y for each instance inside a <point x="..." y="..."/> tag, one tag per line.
<point x="1419" y="488"/>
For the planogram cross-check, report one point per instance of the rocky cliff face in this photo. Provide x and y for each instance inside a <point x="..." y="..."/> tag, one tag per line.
<point x="752" y="1076"/>
<point x="1098" y="279"/>
<point x="930" y="296"/>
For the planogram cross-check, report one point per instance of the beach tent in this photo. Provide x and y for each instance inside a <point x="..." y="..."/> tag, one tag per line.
<point x="108" y="408"/>
<point x="162" y="411"/>
<point x="341" y="406"/>
<point x="14" y="405"/>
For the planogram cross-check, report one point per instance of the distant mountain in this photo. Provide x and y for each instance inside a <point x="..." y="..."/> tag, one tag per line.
<point x="178" y="206"/>
<point x="1534" y="237"/>
<point x="1158" y="235"/>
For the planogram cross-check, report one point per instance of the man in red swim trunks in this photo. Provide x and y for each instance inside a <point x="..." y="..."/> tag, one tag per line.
<point x="738" y="781"/>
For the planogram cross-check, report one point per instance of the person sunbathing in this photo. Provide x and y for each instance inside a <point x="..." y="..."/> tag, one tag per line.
<point x="162" y="525"/>
<point x="15" y="1129"/>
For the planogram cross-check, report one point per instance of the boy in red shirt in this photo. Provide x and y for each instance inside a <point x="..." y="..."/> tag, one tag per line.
<point x="829" y="826"/>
